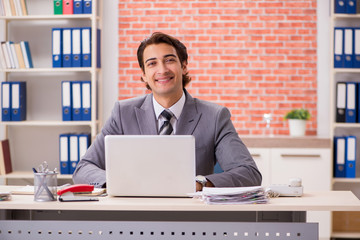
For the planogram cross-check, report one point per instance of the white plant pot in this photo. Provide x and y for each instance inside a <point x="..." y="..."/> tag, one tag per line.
<point x="297" y="127"/>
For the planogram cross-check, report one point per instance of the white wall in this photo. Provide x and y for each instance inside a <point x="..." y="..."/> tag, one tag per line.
<point x="110" y="56"/>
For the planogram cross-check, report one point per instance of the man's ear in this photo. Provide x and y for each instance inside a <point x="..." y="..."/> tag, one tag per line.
<point x="184" y="67"/>
<point x="143" y="77"/>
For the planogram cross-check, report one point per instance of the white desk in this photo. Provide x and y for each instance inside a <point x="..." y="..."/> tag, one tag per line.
<point x="164" y="218"/>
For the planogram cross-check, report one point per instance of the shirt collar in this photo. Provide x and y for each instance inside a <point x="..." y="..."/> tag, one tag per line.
<point x="176" y="109"/>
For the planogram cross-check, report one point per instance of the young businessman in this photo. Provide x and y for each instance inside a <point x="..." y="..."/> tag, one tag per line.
<point x="163" y="61"/>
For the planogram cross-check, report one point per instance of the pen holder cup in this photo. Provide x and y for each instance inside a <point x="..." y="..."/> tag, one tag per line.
<point x="45" y="187"/>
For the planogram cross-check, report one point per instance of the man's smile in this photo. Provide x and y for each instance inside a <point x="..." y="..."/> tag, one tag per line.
<point x="164" y="79"/>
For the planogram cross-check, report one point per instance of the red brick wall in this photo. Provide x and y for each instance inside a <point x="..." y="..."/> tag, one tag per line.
<point x="254" y="57"/>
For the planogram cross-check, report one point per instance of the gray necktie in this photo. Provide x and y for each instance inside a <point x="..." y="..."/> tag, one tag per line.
<point x="166" y="128"/>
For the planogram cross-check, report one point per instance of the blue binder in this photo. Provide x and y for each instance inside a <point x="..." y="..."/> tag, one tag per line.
<point x="339" y="157"/>
<point x="351" y="6"/>
<point x="64" y="153"/>
<point x="84" y="143"/>
<point x="74" y="152"/>
<point x="86" y="47"/>
<point x="350" y="158"/>
<point x="76" y="101"/>
<point x="66" y="100"/>
<point x="351" y="102"/>
<point x="18" y="101"/>
<point x="348" y="47"/>
<point x="87" y="6"/>
<point x="66" y="48"/>
<point x="6" y="101"/>
<point x="338" y="47"/>
<point x="86" y="100"/>
<point x="78" y="6"/>
<point x="57" y="47"/>
<point x="340" y="6"/>
<point x="25" y="48"/>
<point x="356" y="41"/>
<point x="76" y="47"/>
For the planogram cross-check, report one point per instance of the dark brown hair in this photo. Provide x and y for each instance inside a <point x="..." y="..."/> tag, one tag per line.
<point x="156" y="38"/>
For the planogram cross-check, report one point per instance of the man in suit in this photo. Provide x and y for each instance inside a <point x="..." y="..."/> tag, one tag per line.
<point x="163" y="61"/>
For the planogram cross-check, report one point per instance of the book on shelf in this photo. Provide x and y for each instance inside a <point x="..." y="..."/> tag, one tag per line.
<point x="5" y="159"/>
<point x="15" y="55"/>
<point x="11" y="8"/>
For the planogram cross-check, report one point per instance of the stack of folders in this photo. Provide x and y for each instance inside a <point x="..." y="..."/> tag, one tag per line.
<point x="71" y="47"/>
<point x="72" y="7"/>
<point x="346" y="47"/>
<point x="347" y="6"/>
<point x="13" y="8"/>
<point x="345" y="157"/>
<point x="76" y="100"/>
<point x="15" y="55"/>
<point x="237" y="195"/>
<point x="72" y="148"/>
<point x="13" y="101"/>
<point x="348" y="102"/>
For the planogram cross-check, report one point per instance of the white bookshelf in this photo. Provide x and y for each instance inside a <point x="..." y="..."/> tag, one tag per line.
<point x="36" y="139"/>
<point x="336" y="75"/>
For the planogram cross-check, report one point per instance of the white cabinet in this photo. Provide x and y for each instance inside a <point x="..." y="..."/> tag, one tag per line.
<point x="278" y="165"/>
<point x="262" y="157"/>
<point x="312" y="165"/>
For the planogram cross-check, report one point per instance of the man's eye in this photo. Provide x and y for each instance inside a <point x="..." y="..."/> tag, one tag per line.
<point x="170" y="60"/>
<point x="151" y="64"/>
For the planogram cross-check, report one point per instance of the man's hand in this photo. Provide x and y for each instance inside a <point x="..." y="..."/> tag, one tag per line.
<point x="199" y="186"/>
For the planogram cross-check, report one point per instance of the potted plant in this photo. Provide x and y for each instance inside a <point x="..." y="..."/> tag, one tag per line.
<point x="297" y="121"/>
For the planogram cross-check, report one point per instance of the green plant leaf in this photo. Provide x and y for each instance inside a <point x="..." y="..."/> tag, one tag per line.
<point x="302" y="114"/>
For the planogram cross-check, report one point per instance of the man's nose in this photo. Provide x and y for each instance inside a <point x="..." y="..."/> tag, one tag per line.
<point x="162" y="68"/>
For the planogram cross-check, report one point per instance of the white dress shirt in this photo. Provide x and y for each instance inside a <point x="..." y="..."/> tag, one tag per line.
<point x="176" y="110"/>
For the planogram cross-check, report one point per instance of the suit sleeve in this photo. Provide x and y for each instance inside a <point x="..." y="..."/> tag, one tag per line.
<point x="91" y="168"/>
<point x="233" y="156"/>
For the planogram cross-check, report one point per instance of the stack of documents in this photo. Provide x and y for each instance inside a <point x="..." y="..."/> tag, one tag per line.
<point x="237" y="195"/>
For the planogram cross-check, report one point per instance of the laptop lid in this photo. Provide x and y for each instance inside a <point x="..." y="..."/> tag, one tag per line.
<point x="150" y="165"/>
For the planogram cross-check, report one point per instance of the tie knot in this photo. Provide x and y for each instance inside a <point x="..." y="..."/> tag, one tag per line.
<point x="166" y="114"/>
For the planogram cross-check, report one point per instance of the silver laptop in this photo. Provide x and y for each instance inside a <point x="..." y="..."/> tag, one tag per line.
<point x="150" y="166"/>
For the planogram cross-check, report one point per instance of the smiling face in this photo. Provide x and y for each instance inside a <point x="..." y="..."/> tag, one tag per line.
<point x="163" y="72"/>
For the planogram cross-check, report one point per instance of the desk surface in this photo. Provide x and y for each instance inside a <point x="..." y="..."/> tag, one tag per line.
<point x="312" y="201"/>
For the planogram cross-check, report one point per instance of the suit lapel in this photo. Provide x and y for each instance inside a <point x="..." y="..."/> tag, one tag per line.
<point x="145" y="117"/>
<point x="189" y="117"/>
